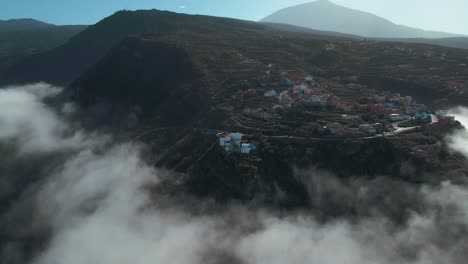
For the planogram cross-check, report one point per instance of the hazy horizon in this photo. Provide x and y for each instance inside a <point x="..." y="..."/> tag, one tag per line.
<point x="447" y="16"/>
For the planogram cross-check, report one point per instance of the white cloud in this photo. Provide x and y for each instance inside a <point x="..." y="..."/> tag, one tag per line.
<point x="459" y="141"/>
<point x="100" y="210"/>
<point x="24" y="118"/>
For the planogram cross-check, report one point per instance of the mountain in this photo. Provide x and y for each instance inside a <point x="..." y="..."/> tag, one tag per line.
<point x="22" y="24"/>
<point x="455" y="42"/>
<point x="174" y="82"/>
<point x="460" y="42"/>
<point x="20" y="38"/>
<point x="327" y="16"/>
<point x="176" y="90"/>
<point x="66" y="63"/>
<point x="423" y="71"/>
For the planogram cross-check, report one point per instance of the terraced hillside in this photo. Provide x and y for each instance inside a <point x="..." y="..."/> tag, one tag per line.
<point x="220" y="88"/>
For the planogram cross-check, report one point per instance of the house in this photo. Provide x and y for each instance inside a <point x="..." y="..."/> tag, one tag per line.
<point x="376" y="108"/>
<point x="396" y="111"/>
<point x="236" y="136"/>
<point x="316" y="101"/>
<point x="304" y="87"/>
<point x="315" y="91"/>
<point x="301" y="89"/>
<point x="367" y="129"/>
<point x="380" y="98"/>
<point x="309" y="78"/>
<point x="288" y="83"/>
<point x="398" y="117"/>
<point x="271" y="93"/>
<point x="351" y="117"/>
<point x="284" y="98"/>
<point x="441" y="113"/>
<point x="390" y="106"/>
<point x="246" y="148"/>
<point x="229" y="140"/>
<point x="411" y="111"/>
<point x="423" y="115"/>
<point x="223" y="141"/>
<point x="446" y="121"/>
<point x="378" y="127"/>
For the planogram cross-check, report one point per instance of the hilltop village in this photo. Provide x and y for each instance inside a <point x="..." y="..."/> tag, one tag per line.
<point x="301" y="105"/>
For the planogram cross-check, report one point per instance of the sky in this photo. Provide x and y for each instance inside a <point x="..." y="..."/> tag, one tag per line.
<point x="440" y="15"/>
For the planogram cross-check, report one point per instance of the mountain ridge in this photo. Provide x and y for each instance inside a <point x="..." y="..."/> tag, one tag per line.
<point x="322" y="14"/>
<point x="20" y="38"/>
<point x="23" y="24"/>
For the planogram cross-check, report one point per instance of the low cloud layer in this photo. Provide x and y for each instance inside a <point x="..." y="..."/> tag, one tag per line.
<point x="459" y="141"/>
<point x="95" y="203"/>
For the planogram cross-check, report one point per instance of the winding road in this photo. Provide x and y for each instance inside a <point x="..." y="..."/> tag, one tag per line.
<point x="397" y="130"/>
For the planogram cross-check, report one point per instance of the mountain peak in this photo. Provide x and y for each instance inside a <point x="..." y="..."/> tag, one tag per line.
<point x="22" y="24"/>
<point x="327" y="16"/>
<point x="323" y="2"/>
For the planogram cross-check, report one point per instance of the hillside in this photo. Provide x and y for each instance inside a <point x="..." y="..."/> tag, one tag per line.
<point x="66" y="63"/>
<point x="454" y="42"/>
<point x="24" y="37"/>
<point x="424" y="71"/>
<point x="327" y="16"/>
<point x="16" y="45"/>
<point x="176" y="92"/>
<point x="22" y="24"/>
<point x="460" y="42"/>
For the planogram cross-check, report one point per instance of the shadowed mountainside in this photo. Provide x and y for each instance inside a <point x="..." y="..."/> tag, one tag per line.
<point x="22" y="24"/>
<point x="157" y="79"/>
<point x="25" y="37"/>
<point x="64" y="64"/>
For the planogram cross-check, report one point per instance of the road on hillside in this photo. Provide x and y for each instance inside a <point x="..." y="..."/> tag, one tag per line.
<point x="397" y="130"/>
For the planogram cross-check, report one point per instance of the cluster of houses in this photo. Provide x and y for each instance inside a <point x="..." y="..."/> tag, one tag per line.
<point x="293" y="89"/>
<point x="445" y="119"/>
<point x="302" y="92"/>
<point x="232" y="142"/>
<point x="398" y="108"/>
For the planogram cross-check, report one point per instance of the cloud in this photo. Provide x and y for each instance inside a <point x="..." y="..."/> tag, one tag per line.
<point x="182" y="7"/>
<point x="97" y="204"/>
<point x="25" y="119"/>
<point x="459" y="140"/>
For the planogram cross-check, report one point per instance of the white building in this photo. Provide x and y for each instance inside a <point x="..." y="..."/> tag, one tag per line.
<point x="271" y="93"/>
<point x="398" y="117"/>
<point x="246" y="148"/>
<point x="351" y="117"/>
<point x="441" y="113"/>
